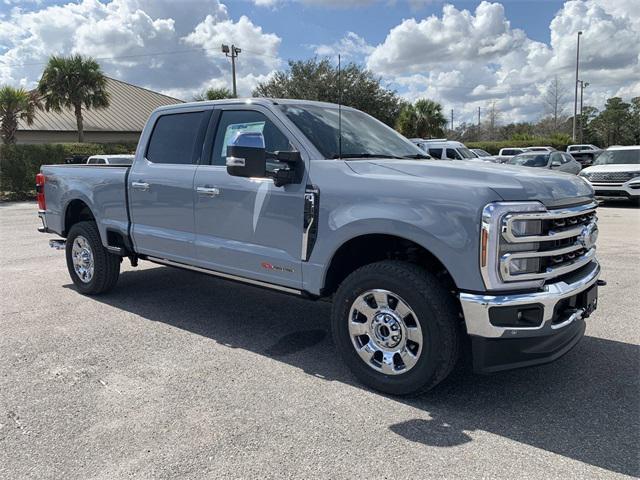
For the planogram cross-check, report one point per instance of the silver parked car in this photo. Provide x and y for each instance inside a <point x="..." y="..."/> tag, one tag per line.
<point x="561" y="161"/>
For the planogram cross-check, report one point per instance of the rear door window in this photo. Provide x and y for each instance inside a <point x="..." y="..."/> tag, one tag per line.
<point x="174" y="139"/>
<point x="435" y="152"/>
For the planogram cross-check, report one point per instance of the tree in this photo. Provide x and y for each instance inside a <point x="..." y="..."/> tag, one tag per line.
<point x="213" y="94"/>
<point x="16" y="104"/>
<point x="423" y="119"/>
<point x="319" y="80"/>
<point x="493" y="117"/>
<point x="555" y="100"/>
<point x="73" y="82"/>
<point x="613" y="124"/>
<point x="635" y="120"/>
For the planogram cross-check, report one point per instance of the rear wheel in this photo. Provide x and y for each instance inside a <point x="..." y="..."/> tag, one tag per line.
<point x="396" y="327"/>
<point x="92" y="268"/>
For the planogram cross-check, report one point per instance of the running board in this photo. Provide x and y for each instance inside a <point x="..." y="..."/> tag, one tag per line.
<point x="257" y="283"/>
<point x="58" y="244"/>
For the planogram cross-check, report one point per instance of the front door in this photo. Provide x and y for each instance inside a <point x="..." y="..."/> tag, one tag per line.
<point x="247" y="226"/>
<point x="161" y="194"/>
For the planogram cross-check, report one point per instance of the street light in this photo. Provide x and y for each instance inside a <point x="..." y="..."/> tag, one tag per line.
<point x="575" y="101"/>
<point x="233" y="53"/>
<point x="583" y="85"/>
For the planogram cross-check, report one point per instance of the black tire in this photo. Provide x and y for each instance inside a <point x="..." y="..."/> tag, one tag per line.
<point x="106" y="265"/>
<point x="437" y="314"/>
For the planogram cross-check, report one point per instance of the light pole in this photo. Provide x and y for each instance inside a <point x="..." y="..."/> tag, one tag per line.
<point x="233" y="53"/>
<point x="583" y="85"/>
<point x="575" y="101"/>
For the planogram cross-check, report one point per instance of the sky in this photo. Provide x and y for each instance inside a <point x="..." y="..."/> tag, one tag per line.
<point x="464" y="54"/>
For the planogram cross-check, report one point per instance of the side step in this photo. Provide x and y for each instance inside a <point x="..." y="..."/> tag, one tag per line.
<point x="58" y="244"/>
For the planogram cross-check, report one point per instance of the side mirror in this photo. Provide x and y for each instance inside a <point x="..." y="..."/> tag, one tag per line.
<point x="247" y="156"/>
<point x="555" y="164"/>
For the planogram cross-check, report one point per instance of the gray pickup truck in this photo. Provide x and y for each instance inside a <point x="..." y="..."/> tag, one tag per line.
<point x="422" y="259"/>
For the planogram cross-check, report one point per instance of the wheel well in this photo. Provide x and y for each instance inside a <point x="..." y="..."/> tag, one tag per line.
<point x="366" y="249"/>
<point x="77" y="211"/>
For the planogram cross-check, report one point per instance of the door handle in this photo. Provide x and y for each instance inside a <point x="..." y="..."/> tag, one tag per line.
<point x="208" y="191"/>
<point x="140" y="186"/>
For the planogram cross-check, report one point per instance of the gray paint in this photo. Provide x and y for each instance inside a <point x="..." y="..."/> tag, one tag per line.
<point x="435" y="204"/>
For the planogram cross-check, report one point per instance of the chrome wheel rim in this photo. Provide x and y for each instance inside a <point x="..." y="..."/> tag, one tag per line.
<point x="82" y="256"/>
<point x="385" y="332"/>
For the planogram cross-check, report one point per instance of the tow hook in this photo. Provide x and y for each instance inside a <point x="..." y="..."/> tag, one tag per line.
<point x="58" y="244"/>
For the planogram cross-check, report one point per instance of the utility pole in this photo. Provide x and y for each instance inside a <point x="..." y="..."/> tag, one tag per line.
<point x="452" y="119"/>
<point x="583" y="85"/>
<point x="575" y="101"/>
<point x="233" y="53"/>
<point x="478" y="117"/>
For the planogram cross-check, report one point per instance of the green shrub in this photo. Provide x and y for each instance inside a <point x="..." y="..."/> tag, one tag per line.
<point x="19" y="164"/>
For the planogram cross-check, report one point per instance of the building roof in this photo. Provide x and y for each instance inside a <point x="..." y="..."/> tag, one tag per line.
<point x="128" y="110"/>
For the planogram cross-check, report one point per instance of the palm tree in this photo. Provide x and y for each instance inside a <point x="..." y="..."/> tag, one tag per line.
<point x="16" y="104"/>
<point x="71" y="82"/>
<point x="430" y="121"/>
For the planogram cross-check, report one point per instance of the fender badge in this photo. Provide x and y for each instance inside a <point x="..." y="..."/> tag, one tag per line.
<point x="277" y="268"/>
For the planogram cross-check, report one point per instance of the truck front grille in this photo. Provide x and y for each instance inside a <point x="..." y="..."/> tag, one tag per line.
<point x="545" y="245"/>
<point x="610" y="177"/>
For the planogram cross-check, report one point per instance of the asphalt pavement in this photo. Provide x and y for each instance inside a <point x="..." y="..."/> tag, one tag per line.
<point x="181" y="375"/>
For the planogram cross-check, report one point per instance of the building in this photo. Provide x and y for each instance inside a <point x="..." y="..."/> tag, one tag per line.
<point x="122" y="121"/>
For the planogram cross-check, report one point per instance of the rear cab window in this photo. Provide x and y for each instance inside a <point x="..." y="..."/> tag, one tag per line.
<point x="176" y="138"/>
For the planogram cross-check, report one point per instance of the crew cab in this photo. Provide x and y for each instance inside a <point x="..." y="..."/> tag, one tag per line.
<point x="305" y="198"/>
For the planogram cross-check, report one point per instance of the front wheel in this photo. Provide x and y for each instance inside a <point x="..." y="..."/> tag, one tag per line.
<point x="92" y="268"/>
<point x="396" y="327"/>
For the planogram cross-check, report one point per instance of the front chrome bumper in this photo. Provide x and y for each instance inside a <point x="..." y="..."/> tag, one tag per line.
<point x="475" y="307"/>
<point x="629" y="189"/>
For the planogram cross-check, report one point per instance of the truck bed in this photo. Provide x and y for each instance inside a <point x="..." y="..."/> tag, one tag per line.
<point x="101" y="187"/>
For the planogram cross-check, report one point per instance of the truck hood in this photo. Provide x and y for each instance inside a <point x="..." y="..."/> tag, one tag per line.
<point x="512" y="183"/>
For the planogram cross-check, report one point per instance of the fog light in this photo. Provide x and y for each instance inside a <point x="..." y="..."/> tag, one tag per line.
<point x="519" y="266"/>
<point x="520" y="316"/>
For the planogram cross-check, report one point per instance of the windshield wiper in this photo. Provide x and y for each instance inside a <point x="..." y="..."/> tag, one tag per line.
<point x="346" y="156"/>
<point x="417" y="156"/>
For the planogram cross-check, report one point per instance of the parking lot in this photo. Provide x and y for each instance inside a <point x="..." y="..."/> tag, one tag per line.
<point x="176" y="374"/>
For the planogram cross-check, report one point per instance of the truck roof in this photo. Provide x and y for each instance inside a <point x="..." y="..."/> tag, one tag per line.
<point x="264" y="101"/>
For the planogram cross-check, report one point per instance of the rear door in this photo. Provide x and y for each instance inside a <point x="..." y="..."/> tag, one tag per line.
<point x="247" y="226"/>
<point x="161" y="193"/>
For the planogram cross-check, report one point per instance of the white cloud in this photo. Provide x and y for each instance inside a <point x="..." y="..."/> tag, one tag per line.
<point x="131" y="29"/>
<point x="466" y="59"/>
<point x="351" y="45"/>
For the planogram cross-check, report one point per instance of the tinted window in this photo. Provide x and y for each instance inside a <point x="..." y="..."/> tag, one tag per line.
<point x="435" y="152"/>
<point x="452" y="154"/>
<point x="174" y="138"/>
<point x="510" y="152"/>
<point x="233" y="122"/>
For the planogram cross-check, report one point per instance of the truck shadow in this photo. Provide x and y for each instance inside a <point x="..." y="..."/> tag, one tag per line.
<point x="584" y="406"/>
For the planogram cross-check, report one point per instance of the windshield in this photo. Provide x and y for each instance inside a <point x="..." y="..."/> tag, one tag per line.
<point x="618" y="157"/>
<point x="466" y="153"/>
<point x="530" y="160"/>
<point x="362" y="135"/>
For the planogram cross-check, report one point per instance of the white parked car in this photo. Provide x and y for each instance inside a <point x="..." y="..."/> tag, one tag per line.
<point x="110" y="160"/>
<point x="443" y="149"/>
<point x="616" y="173"/>
<point x="582" y="148"/>
<point x="540" y="149"/>
<point x="505" y="154"/>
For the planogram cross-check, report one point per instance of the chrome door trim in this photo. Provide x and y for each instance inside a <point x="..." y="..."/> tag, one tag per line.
<point x="250" y="281"/>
